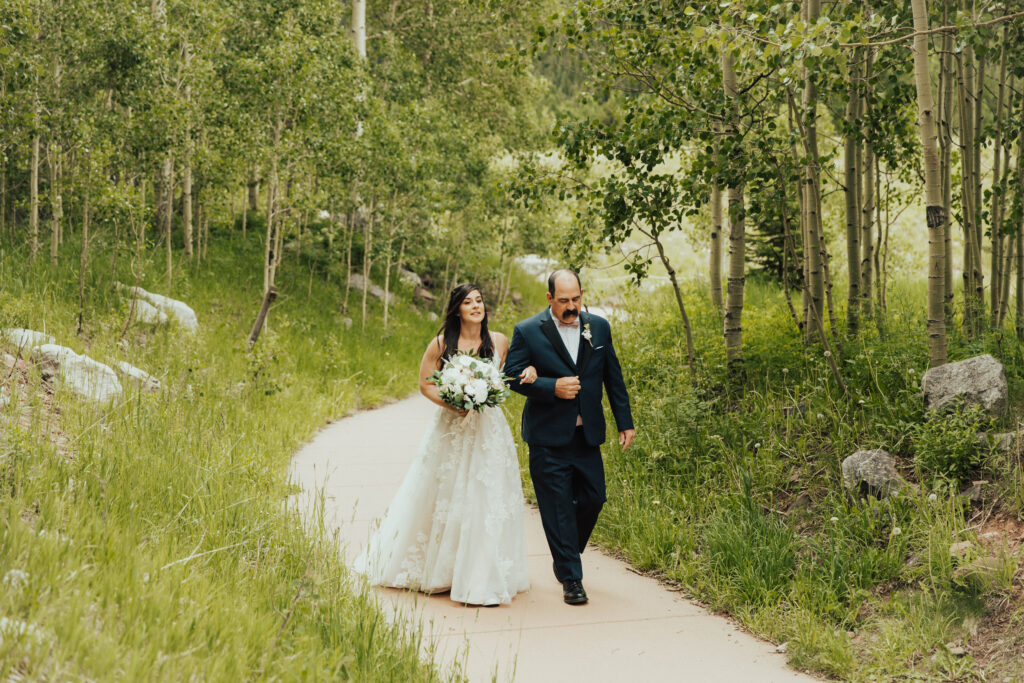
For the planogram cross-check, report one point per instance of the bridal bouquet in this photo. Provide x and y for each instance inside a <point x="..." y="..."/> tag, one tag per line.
<point x="468" y="382"/>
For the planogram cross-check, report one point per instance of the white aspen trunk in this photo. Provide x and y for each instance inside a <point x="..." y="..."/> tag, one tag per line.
<point x="245" y="211"/>
<point x="933" y="191"/>
<point x="367" y="244"/>
<point x="55" y="202"/>
<point x="715" y="266"/>
<point x="186" y="179"/>
<point x="359" y="27"/>
<point x="733" y="319"/>
<point x="867" y="197"/>
<point x="387" y="279"/>
<point x="33" y="215"/>
<point x="348" y="260"/>
<point x="168" y="214"/>
<point x="83" y="263"/>
<point x="946" y="78"/>
<point x="996" y="266"/>
<point x="852" y="182"/>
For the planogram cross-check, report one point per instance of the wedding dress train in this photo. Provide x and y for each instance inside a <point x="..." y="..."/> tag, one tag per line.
<point x="456" y="522"/>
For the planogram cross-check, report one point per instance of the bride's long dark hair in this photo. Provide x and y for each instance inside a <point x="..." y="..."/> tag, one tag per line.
<point x="452" y="325"/>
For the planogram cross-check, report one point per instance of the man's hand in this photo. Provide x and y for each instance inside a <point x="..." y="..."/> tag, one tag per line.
<point x="626" y="438"/>
<point x="567" y="387"/>
<point x="528" y="376"/>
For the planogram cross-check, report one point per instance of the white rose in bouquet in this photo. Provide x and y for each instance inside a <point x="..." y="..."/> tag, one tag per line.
<point x="467" y="382"/>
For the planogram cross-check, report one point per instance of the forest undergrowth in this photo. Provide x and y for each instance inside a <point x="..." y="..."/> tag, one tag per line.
<point x="737" y="496"/>
<point x="147" y="539"/>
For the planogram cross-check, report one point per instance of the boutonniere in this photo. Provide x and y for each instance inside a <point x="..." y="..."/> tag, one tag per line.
<point x="586" y="334"/>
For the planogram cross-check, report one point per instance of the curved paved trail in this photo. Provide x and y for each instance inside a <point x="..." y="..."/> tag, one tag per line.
<point x="633" y="629"/>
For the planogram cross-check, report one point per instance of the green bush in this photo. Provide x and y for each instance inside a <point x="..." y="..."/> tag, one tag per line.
<point x="948" y="447"/>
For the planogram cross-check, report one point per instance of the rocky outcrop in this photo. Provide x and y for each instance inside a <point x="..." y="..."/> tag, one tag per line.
<point x="358" y="282"/>
<point x="979" y="381"/>
<point x="147" y="313"/>
<point x="140" y="378"/>
<point x="23" y="339"/>
<point x="78" y="373"/>
<point x="872" y="473"/>
<point x="179" y="311"/>
<point x="410" y="278"/>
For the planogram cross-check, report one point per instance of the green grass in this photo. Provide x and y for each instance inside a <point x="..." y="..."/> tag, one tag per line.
<point x="705" y="500"/>
<point x="159" y="548"/>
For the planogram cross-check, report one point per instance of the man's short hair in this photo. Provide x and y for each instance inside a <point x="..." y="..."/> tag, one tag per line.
<point x="557" y="274"/>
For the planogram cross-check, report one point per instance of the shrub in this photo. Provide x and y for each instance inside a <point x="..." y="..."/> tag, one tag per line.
<point x="948" y="446"/>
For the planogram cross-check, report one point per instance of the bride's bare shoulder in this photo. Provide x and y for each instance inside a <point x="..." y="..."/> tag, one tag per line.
<point x="435" y="346"/>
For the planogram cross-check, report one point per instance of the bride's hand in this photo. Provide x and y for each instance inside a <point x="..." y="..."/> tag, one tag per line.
<point x="528" y="376"/>
<point x="461" y="413"/>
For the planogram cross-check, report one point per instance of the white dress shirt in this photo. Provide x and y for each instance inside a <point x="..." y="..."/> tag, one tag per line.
<point x="570" y="335"/>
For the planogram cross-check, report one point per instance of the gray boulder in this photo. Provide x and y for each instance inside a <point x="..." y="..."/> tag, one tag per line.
<point x="410" y="278"/>
<point x="977" y="381"/>
<point x="373" y="290"/>
<point x="423" y="294"/>
<point x="147" y="313"/>
<point x="171" y="308"/>
<point x="872" y="472"/>
<point x="23" y="339"/>
<point x="80" y="374"/>
<point x="140" y="378"/>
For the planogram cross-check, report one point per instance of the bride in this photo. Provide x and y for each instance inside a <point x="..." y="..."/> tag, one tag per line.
<point x="456" y="522"/>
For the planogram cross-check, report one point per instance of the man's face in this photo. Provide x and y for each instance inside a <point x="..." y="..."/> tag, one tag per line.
<point x="567" y="299"/>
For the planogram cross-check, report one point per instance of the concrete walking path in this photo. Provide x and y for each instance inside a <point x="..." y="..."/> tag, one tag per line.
<point x="633" y="629"/>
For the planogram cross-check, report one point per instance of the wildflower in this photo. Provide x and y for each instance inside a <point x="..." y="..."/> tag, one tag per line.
<point x="820" y="416"/>
<point x="861" y="402"/>
<point x="828" y="354"/>
<point x="910" y="371"/>
<point x="757" y="445"/>
<point x="655" y="502"/>
<point x="785" y="371"/>
<point x="896" y="531"/>
<point x="932" y="496"/>
<point x="834" y="520"/>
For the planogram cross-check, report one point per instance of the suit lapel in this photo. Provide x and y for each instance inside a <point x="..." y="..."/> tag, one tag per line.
<point x="586" y="346"/>
<point x="547" y="325"/>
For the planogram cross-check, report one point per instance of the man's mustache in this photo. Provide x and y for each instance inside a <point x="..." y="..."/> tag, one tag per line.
<point x="569" y="313"/>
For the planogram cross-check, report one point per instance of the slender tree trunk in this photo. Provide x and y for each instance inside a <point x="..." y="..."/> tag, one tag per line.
<point x="995" y="211"/>
<point x="359" y="27"/>
<point x="867" y="198"/>
<point x="367" y="245"/>
<point x="851" y="177"/>
<point x="348" y="260"/>
<point x="1019" y="323"/>
<point x="186" y="179"/>
<point x="737" y="235"/>
<point x="168" y="214"/>
<point x="679" y="303"/>
<point x="387" y="277"/>
<point x="254" y="190"/>
<point x="245" y="212"/>
<point x="83" y="263"/>
<point x="56" y="209"/>
<point x="715" y="269"/>
<point x="973" y="280"/>
<point x="33" y="216"/>
<point x="812" y="198"/>
<point x="946" y="79"/>
<point x="933" y="189"/>
<point x="269" y="254"/>
<point x="3" y="190"/>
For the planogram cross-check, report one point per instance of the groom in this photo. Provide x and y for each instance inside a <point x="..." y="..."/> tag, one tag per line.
<point x="563" y="421"/>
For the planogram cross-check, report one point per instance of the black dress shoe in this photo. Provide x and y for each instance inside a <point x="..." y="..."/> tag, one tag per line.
<point x="573" y="593"/>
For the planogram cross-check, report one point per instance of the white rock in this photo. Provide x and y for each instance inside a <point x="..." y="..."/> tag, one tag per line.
<point x="977" y="381"/>
<point x="26" y="339"/>
<point x="357" y="282"/>
<point x="410" y="278"/>
<point x="173" y="308"/>
<point x="140" y="378"/>
<point x="81" y="374"/>
<point x="146" y="312"/>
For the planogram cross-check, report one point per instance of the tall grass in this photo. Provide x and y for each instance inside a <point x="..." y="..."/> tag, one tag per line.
<point x="154" y="545"/>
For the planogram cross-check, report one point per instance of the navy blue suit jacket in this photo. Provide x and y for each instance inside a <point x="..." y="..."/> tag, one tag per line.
<point x="551" y="421"/>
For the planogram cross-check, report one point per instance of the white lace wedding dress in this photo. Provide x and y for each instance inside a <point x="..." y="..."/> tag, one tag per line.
<point x="456" y="522"/>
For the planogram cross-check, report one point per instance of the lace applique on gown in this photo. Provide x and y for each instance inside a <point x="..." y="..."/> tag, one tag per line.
<point x="457" y="520"/>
